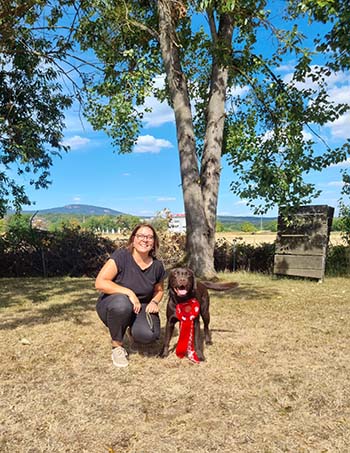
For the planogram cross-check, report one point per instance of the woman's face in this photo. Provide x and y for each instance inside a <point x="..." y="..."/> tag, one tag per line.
<point x="144" y="240"/>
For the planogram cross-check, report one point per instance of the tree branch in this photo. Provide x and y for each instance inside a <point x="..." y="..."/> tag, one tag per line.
<point x="212" y="26"/>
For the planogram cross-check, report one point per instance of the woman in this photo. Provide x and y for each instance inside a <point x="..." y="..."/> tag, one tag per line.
<point x="131" y="282"/>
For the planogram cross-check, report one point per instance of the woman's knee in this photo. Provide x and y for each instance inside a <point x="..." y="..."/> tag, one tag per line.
<point x="119" y="305"/>
<point x="142" y="333"/>
<point x="144" y="336"/>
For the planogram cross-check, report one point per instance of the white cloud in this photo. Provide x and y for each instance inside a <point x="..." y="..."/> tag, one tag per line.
<point x="269" y="135"/>
<point x="237" y="91"/>
<point x="340" y="95"/>
<point x="288" y="67"/>
<point x="340" y="128"/>
<point x="75" y="123"/>
<point x="307" y="135"/>
<point x="146" y="212"/>
<point x="159" y="81"/>
<point x="161" y="199"/>
<point x="333" y="80"/>
<point x="335" y="184"/>
<point x="345" y="163"/>
<point x="150" y="144"/>
<point x="161" y="113"/>
<point x="76" y="199"/>
<point x="76" y="141"/>
<point x="339" y="92"/>
<point x="336" y="78"/>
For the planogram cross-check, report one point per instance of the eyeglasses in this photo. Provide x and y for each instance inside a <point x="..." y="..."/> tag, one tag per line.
<point x="144" y="237"/>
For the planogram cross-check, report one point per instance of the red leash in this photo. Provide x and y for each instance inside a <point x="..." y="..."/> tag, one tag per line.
<point x="186" y="312"/>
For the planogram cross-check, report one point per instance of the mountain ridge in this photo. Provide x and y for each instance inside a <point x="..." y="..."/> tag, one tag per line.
<point x="82" y="209"/>
<point x="78" y="209"/>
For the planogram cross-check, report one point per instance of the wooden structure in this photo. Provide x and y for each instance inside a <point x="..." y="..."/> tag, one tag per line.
<point x="302" y="241"/>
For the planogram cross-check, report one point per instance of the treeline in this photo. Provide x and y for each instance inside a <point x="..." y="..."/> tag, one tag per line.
<point x="105" y="224"/>
<point x="109" y="224"/>
<point x="57" y="222"/>
<point x="271" y="225"/>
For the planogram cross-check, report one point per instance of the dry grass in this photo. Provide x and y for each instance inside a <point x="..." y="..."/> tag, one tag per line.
<point x="276" y="378"/>
<point x="256" y="238"/>
<point x="261" y="237"/>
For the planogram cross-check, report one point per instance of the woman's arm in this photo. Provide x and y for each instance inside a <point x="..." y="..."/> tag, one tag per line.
<point x="153" y="306"/>
<point x="104" y="283"/>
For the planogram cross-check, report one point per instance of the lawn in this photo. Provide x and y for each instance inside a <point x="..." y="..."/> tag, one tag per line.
<point x="276" y="379"/>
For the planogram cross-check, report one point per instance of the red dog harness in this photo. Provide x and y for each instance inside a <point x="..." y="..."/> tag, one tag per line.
<point x="186" y="312"/>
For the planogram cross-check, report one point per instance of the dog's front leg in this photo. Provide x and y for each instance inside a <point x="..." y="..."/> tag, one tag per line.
<point x="207" y="333"/>
<point x="198" y="344"/>
<point x="169" y="330"/>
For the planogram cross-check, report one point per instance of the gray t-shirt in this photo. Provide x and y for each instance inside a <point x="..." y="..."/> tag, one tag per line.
<point x="131" y="276"/>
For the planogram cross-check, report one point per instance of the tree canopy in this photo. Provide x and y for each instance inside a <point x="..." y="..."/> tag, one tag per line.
<point x="31" y="101"/>
<point x="227" y="94"/>
<point x="206" y="60"/>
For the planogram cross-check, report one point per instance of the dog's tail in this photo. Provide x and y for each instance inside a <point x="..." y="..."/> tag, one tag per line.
<point x="219" y="286"/>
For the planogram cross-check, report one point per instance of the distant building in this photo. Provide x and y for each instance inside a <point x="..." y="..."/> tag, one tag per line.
<point x="178" y="223"/>
<point x="40" y="224"/>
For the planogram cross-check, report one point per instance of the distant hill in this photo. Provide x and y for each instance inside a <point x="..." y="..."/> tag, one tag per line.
<point x="78" y="209"/>
<point x="88" y="210"/>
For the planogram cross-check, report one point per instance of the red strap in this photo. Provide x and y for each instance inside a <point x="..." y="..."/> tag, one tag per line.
<point x="186" y="312"/>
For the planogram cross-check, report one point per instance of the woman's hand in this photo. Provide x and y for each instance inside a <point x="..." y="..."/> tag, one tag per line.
<point x="135" y="301"/>
<point x="152" y="307"/>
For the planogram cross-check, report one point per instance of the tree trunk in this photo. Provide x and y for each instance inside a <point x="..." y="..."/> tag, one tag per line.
<point x="212" y="152"/>
<point x="200" y="192"/>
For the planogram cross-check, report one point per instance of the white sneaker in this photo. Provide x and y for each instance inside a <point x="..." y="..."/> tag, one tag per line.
<point x="119" y="357"/>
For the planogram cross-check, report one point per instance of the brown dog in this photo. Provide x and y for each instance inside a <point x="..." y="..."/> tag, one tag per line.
<point x="182" y="286"/>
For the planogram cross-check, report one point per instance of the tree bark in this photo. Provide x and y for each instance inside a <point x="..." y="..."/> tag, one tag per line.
<point x="200" y="191"/>
<point x="212" y="152"/>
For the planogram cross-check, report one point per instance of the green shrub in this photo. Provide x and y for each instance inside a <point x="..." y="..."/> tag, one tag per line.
<point x="69" y="252"/>
<point x="236" y="256"/>
<point x="248" y="227"/>
<point x="338" y="260"/>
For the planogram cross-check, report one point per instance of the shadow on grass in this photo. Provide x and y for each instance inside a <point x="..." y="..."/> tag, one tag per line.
<point x="39" y="290"/>
<point x="246" y="291"/>
<point x="77" y="299"/>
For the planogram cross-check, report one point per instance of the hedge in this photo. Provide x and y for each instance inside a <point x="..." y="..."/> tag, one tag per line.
<point x="75" y="252"/>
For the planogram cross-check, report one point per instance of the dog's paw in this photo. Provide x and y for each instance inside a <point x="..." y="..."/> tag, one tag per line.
<point x="201" y="356"/>
<point x="163" y="354"/>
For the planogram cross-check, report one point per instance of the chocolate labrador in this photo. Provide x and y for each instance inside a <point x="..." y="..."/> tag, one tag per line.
<point x="182" y="286"/>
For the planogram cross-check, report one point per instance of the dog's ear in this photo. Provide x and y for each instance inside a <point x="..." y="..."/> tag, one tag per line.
<point x="170" y="276"/>
<point x="193" y="277"/>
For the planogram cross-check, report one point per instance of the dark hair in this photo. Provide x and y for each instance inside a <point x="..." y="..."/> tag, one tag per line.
<point x="155" y="242"/>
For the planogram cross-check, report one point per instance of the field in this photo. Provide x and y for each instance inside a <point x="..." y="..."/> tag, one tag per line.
<point x="276" y="379"/>
<point x="267" y="237"/>
<point x="250" y="238"/>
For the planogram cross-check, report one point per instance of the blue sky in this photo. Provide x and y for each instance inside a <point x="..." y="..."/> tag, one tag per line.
<point x="148" y="180"/>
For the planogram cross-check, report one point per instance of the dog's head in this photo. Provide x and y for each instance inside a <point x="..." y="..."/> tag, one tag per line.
<point x="181" y="282"/>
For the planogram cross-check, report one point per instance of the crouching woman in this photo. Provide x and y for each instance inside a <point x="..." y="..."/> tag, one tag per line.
<point x="132" y="285"/>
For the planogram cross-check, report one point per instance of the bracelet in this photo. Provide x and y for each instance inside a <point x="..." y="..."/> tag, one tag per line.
<point x="153" y="300"/>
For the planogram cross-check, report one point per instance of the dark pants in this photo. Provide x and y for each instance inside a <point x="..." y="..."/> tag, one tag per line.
<point x="116" y="312"/>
